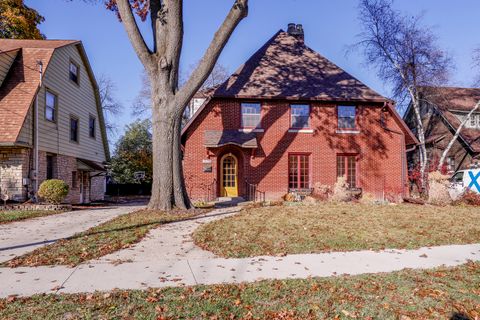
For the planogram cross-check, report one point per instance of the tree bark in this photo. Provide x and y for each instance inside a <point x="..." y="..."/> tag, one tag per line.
<point x="163" y="133"/>
<point x="180" y="193"/>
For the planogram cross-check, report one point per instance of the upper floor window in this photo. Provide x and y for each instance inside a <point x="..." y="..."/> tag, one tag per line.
<point x="74" y="129"/>
<point x="451" y="163"/>
<point x="251" y="115"/>
<point x="300" y="116"/>
<point x="346" y="117"/>
<point x="91" y="127"/>
<point x="50" y="106"/>
<point x="74" y="70"/>
<point x="474" y="121"/>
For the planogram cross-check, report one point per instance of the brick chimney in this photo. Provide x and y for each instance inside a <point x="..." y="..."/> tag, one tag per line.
<point x="296" y="30"/>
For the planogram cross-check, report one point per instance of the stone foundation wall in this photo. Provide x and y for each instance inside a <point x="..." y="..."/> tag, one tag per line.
<point x="14" y="164"/>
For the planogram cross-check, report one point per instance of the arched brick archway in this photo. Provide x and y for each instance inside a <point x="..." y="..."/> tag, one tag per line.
<point x="225" y="156"/>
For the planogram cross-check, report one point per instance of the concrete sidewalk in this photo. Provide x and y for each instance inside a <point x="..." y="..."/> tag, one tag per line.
<point x="20" y="237"/>
<point x="161" y="273"/>
<point x="167" y="256"/>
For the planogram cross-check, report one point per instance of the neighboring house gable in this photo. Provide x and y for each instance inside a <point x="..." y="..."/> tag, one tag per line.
<point x="442" y="110"/>
<point x="78" y="155"/>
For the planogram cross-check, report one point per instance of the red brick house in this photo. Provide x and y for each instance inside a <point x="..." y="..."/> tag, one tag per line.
<point x="291" y="120"/>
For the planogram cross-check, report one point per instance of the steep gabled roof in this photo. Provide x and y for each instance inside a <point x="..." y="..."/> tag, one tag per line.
<point x="451" y="100"/>
<point x="18" y="91"/>
<point x="286" y="68"/>
<point x="20" y="86"/>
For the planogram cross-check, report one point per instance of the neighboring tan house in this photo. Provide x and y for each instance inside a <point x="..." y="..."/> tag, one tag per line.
<point x="442" y="110"/>
<point x="291" y="120"/>
<point x="72" y="142"/>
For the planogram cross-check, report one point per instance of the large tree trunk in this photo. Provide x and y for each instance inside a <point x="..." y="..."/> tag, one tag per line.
<point x="162" y="142"/>
<point x="423" y="149"/>
<point x="168" y="187"/>
<point x="180" y="194"/>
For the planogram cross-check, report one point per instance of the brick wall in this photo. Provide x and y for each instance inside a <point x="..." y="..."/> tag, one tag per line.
<point x="13" y="168"/>
<point x="381" y="164"/>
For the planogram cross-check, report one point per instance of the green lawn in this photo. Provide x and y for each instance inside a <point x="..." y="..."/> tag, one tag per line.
<point x="17" y="215"/>
<point x="432" y="294"/>
<point x="111" y="236"/>
<point x="327" y="227"/>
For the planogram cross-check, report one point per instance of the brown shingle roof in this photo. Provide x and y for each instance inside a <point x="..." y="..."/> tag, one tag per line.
<point x="447" y="100"/>
<point x="18" y="90"/>
<point x="286" y="68"/>
<point x="215" y="139"/>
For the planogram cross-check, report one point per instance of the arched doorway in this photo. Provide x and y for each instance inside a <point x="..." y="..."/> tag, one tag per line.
<point x="229" y="175"/>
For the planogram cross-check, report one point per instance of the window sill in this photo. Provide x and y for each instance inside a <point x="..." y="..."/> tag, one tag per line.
<point x="301" y="130"/>
<point x="246" y="130"/>
<point x="346" y="131"/>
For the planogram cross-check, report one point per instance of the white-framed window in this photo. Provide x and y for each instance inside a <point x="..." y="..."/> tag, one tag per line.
<point x="50" y="106"/>
<point x="300" y="116"/>
<point x="346" y="117"/>
<point x="73" y="72"/>
<point x="251" y="115"/>
<point x="451" y="163"/>
<point x="473" y="121"/>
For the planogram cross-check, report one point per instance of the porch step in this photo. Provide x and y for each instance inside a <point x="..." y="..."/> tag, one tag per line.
<point x="228" y="201"/>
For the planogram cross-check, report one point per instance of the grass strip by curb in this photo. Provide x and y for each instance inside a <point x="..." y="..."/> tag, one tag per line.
<point x="113" y="235"/>
<point x="327" y="227"/>
<point x="8" y="216"/>
<point x="443" y="293"/>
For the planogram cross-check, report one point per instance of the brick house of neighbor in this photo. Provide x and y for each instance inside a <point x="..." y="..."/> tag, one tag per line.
<point x="291" y="120"/>
<point x="442" y="110"/>
<point x="69" y="130"/>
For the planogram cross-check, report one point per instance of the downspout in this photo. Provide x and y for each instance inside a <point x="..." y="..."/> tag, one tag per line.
<point x="40" y="66"/>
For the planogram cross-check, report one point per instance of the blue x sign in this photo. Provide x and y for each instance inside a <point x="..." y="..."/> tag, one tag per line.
<point x="474" y="182"/>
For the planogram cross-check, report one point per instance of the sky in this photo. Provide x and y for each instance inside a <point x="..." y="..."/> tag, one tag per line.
<point x="330" y="28"/>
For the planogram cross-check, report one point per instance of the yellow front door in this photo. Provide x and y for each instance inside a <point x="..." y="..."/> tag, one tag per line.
<point x="229" y="171"/>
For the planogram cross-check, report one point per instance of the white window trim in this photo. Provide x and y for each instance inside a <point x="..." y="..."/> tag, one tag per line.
<point x="301" y="130"/>
<point x="248" y="130"/>
<point x="348" y="131"/>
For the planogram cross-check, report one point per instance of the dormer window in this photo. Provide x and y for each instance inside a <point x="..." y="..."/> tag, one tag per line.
<point x="251" y="115"/>
<point x="74" y="70"/>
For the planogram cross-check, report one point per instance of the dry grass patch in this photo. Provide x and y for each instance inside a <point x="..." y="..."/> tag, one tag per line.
<point x="338" y="227"/>
<point x="118" y="233"/>
<point x="445" y="293"/>
<point x="17" y="215"/>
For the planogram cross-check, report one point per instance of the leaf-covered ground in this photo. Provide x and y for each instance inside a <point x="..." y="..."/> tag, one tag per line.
<point x="118" y="233"/>
<point x="434" y="294"/>
<point x="338" y="227"/>
<point x="17" y="215"/>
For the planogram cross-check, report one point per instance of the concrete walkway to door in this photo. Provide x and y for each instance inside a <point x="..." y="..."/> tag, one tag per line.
<point x="17" y="238"/>
<point x="168" y="257"/>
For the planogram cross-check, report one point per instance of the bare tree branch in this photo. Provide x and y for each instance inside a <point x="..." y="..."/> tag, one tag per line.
<point x="406" y="56"/>
<point x="131" y="27"/>
<point x="110" y="105"/>
<point x="238" y="11"/>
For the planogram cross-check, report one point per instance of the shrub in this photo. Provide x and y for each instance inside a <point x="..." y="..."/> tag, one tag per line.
<point x="322" y="192"/>
<point x="438" y="189"/>
<point x="340" y="191"/>
<point x="290" y="197"/>
<point x="53" y="191"/>
<point x="469" y="198"/>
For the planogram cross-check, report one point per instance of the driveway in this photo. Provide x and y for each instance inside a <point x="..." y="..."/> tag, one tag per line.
<point x="17" y="238"/>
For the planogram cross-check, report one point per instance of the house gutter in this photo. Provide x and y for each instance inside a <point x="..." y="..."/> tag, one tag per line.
<point x="35" y="143"/>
